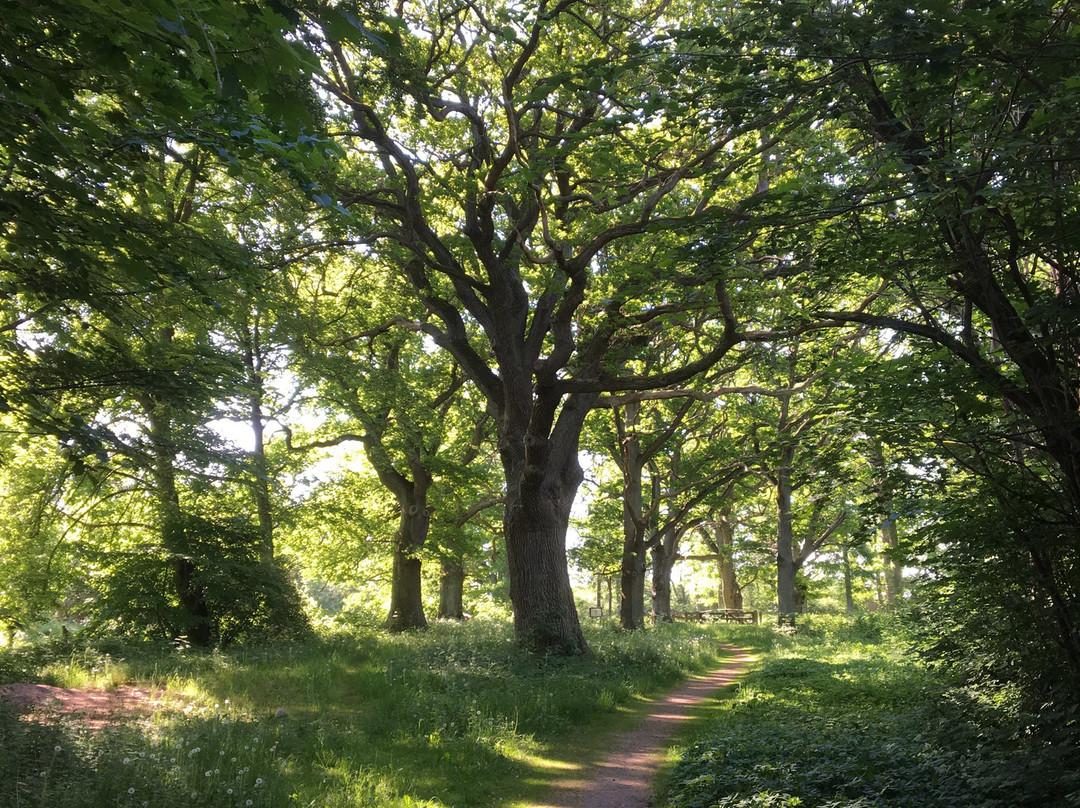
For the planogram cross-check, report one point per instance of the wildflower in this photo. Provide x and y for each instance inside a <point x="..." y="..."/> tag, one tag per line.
<point x="127" y="760"/>
<point x="208" y="772"/>
<point x="228" y="791"/>
<point x="56" y="748"/>
<point x="258" y="781"/>
<point x="131" y="791"/>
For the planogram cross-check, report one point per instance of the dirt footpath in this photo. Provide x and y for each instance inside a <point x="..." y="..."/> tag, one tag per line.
<point x="624" y="779"/>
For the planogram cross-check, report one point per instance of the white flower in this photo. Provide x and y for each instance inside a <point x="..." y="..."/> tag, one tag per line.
<point x="258" y="781"/>
<point x="131" y="791"/>
<point x="228" y="791"/>
<point x="56" y="748"/>
<point x="208" y="772"/>
<point x="127" y="761"/>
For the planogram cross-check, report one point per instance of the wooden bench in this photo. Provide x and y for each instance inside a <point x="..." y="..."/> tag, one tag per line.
<point x="746" y="616"/>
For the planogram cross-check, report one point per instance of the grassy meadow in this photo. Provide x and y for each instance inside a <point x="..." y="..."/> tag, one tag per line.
<point x="456" y="716"/>
<point x="837" y="716"/>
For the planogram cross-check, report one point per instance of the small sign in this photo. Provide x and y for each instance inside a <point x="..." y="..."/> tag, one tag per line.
<point x="596" y="611"/>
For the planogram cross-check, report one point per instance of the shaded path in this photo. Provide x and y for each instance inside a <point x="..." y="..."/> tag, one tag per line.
<point x="624" y="778"/>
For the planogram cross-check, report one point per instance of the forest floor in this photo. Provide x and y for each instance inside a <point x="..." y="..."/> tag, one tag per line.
<point x="624" y="778"/>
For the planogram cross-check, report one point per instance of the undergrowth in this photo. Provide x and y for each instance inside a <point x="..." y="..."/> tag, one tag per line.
<point x="456" y="716"/>
<point x="839" y="716"/>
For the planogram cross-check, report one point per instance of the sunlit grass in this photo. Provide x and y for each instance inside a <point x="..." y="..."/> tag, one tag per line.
<point x="840" y="715"/>
<point x="457" y="716"/>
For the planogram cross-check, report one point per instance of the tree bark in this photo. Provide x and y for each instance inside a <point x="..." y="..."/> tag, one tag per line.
<point x="406" y="587"/>
<point x="724" y="537"/>
<point x="545" y="616"/>
<point x="635" y="561"/>
<point x="414" y="519"/>
<point x="665" y="553"/>
<point x="451" y="590"/>
<point x="785" y="559"/>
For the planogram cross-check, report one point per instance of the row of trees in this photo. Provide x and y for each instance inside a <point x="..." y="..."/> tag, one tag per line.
<point x="753" y="245"/>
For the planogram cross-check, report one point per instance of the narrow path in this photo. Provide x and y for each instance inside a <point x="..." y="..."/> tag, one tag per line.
<point x="624" y="778"/>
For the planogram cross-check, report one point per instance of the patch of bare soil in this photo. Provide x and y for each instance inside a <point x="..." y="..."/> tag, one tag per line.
<point x="624" y="779"/>
<point x="91" y="708"/>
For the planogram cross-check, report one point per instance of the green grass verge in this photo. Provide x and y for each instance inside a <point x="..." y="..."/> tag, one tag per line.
<point x="839" y="716"/>
<point x="456" y="716"/>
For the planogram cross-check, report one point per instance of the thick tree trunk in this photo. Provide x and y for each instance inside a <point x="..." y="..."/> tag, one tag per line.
<point x="451" y="590"/>
<point x="724" y="536"/>
<point x="785" y="559"/>
<point x="661" y="587"/>
<point x="406" y="588"/>
<point x="664" y="554"/>
<point x="542" y="480"/>
<point x="406" y="593"/>
<point x="414" y="519"/>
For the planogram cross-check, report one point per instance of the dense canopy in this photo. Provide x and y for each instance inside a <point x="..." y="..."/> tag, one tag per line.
<point x="330" y="308"/>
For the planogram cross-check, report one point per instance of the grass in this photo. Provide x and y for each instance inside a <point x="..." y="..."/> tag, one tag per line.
<point x="456" y="716"/>
<point x="839" y="716"/>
